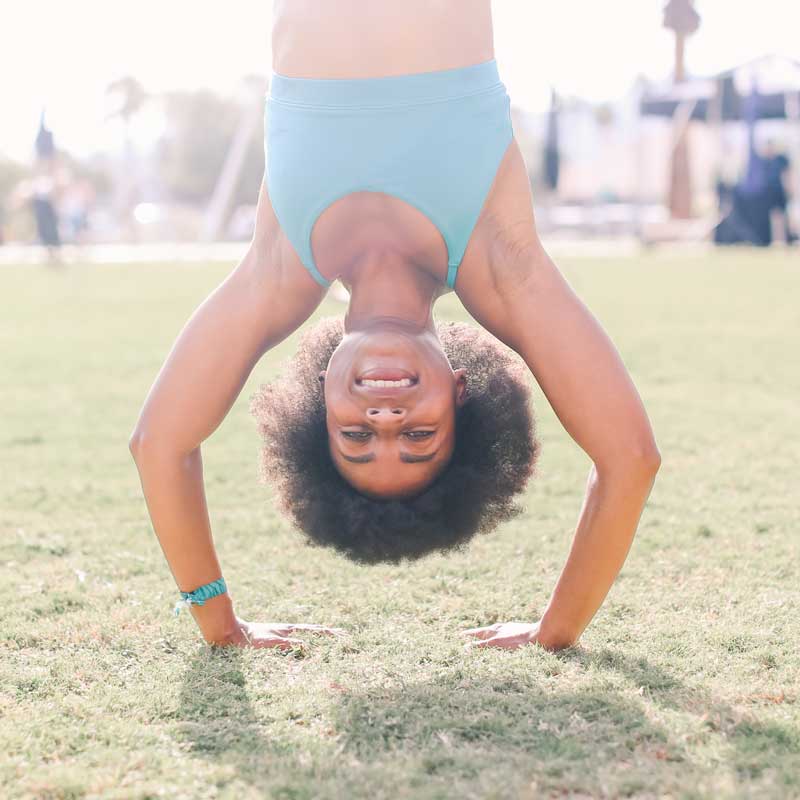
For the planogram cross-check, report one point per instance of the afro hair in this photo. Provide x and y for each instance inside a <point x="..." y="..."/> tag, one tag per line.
<point x="495" y="454"/>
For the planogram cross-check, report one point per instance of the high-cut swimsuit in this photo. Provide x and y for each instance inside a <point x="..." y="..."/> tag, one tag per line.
<point x="432" y="139"/>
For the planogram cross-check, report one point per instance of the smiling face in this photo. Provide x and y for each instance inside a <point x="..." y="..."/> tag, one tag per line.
<point x="391" y="399"/>
<point x="494" y="456"/>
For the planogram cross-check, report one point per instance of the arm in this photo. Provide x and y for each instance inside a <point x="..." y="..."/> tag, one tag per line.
<point x="523" y="299"/>
<point x="259" y="304"/>
<point x="585" y="381"/>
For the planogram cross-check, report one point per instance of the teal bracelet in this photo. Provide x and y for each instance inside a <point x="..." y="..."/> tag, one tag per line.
<point x="199" y="596"/>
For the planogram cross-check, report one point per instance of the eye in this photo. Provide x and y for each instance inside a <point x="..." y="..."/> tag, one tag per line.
<point x="419" y="434"/>
<point x="358" y="436"/>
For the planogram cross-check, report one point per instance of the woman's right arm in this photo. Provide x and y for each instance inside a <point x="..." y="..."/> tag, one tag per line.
<point x="264" y="299"/>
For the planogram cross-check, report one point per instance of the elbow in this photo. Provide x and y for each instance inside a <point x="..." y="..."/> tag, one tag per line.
<point x="147" y="444"/>
<point x="140" y="443"/>
<point x="135" y="443"/>
<point x="648" y="458"/>
<point x="642" y="459"/>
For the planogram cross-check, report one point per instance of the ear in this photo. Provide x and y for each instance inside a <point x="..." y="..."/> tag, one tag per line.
<point x="461" y="386"/>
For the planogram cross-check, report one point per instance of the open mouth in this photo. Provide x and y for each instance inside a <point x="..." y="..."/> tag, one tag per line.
<point x="384" y="378"/>
<point x="403" y="382"/>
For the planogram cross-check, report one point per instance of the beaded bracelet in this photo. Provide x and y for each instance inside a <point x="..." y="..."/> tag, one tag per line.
<point x="199" y="596"/>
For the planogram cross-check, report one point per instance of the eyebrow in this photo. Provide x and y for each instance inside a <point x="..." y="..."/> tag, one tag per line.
<point x="406" y="458"/>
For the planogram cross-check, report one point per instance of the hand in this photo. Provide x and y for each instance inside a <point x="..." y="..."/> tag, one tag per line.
<point x="272" y="634"/>
<point x="511" y="635"/>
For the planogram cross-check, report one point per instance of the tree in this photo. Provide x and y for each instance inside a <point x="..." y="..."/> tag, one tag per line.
<point x="201" y="126"/>
<point x="681" y="17"/>
<point x="128" y="96"/>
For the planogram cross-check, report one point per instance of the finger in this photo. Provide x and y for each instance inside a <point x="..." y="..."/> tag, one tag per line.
<point x="280" y="643"/>
<point x="271" y="630"/>
<point x="481" y="633"/>
<point x="318" y="629"/>
<point x="333" y="631"/>
<point x="506" y="642"/>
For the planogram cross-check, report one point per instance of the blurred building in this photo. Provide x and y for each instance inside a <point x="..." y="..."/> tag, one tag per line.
<point x="614" y="164"/>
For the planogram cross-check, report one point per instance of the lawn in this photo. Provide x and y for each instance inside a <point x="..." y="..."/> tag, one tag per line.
<point x="685" y="685"/>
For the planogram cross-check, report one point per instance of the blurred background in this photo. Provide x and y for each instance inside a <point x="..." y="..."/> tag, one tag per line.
<point x="138" y="127"/>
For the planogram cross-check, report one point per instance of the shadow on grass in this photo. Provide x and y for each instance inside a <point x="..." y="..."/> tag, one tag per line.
<point x="462" y="726"/>
<point x="459" y="727"/>
<point x="216" y="719"/>
<point x="215" y="715"/>
<point x="756" y="747"/>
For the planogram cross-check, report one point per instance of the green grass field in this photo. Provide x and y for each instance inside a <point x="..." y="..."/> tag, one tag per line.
<point x="685" y="685"/>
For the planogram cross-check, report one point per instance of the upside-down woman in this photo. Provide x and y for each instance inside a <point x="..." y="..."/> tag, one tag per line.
<point x="392" y="166"/>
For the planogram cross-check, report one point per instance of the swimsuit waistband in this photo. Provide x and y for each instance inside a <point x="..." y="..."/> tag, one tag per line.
<point x="388" y="90"/>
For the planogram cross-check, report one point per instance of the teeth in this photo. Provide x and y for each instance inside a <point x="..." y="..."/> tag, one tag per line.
<point x="402" y="382"/>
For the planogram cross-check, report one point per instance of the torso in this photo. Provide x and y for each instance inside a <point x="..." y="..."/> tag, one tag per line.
<point x="364" y="39"/>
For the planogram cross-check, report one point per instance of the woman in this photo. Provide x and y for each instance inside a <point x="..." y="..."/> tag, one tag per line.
<point x="392" y="165"/>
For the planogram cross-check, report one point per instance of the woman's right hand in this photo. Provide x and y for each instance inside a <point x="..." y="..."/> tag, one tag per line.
<point x="272" y="634"/>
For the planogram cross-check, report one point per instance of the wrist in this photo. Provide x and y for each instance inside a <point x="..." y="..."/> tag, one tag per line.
<point x="554" y="634"/>
<point x="216" y="618"/>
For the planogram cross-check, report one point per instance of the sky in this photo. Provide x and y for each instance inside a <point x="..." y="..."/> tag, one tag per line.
<point x="61" y="56"/>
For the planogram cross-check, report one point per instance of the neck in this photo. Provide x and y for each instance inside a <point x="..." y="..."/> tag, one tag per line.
<point x="387" y="288"/>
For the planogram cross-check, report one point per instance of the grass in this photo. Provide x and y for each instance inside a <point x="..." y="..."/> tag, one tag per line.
<point x="685" y="685"/>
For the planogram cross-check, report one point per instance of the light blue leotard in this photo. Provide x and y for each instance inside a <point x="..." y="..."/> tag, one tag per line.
<point x="432" y="139"/>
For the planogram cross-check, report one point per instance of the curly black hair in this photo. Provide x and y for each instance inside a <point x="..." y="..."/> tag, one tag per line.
<point x="494" y="456"/>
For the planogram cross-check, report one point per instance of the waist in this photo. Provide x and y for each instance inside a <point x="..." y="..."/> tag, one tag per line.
<point x="386" y="91"/>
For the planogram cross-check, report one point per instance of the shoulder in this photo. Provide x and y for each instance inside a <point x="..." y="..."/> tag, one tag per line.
<point x="278" y="265"/>
<point x="505" y="243"/>
<point x="503" y="293"/>
<point x="505" y="264"/>
<point x="507" y="261"/>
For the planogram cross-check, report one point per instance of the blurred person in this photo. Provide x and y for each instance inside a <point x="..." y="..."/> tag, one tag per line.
<point x="44" y="143"/>
<point x="77" y="200"/>
<point x="735" y="216"/>
<point x="744" y="216"/>
<point x="41" y="191"/>
<point x="777" y="169"/>
<point x="391" y="164"/>
<point x="746" y="205"/>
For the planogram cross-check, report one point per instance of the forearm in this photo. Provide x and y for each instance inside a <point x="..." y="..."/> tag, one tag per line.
<point x="614" y="500"/>
<point x="172" y="484"/>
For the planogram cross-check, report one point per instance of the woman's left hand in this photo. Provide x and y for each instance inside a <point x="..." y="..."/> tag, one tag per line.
<point x="510" y="635"/>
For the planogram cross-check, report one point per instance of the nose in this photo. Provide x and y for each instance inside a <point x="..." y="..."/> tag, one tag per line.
<point x="386" y="414"/>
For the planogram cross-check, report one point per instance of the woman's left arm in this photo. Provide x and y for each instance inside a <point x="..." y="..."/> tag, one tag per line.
<point x="524" y="300"/>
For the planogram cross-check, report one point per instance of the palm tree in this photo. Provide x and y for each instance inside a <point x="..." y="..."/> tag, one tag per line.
<point x="129" y="96"/>
<point x="681" y="17"/>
